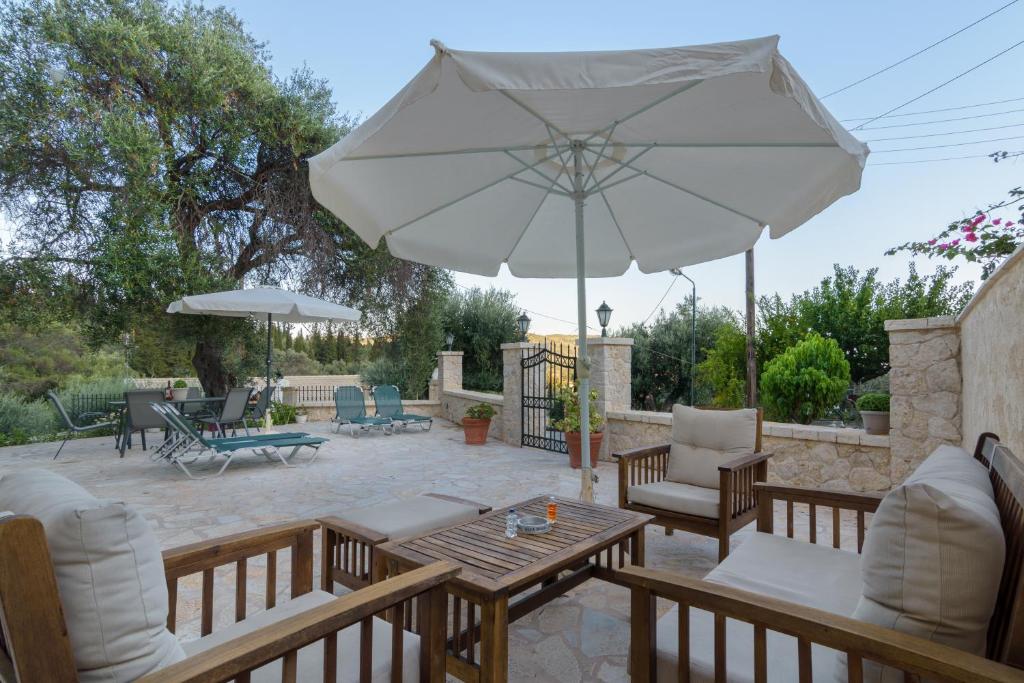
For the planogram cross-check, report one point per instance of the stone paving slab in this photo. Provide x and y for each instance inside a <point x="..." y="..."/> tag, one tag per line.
<point x="583" y="636"/>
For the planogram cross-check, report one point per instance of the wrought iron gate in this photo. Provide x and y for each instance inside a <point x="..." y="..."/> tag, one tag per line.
<point x="545" y="370"/>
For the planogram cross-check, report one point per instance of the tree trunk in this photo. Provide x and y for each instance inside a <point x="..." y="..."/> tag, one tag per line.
<point x="209" y="364"/>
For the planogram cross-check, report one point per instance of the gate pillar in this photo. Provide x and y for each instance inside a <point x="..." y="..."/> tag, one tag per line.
<point x="611" y="368"/>
<point x="512" y="390"/>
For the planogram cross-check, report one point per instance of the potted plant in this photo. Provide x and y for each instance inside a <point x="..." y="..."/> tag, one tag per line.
<point x="570" y="425"/>
<point x="874" y="408"/>
<point x="301" y="416"/>
<point x="476" y="423"/>
<point x="180" y="390"/>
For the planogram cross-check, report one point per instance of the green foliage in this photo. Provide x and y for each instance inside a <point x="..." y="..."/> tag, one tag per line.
<point x="380" y="371"/>
<point x="722" y="374"/>
<point x="294" y="362"/>
<point x="481" y="411"/>
<point x="661" y="353"/>
<point x="852" y="308"/>
<point x="570" y="422"/>
<point x="874" y="401"/>
<point x="180" y="384"/>
<point x="282" y="413"/>
<point x="806" y="380"/>
<point x="481" y="321"/>
<point x="22" y="421"/>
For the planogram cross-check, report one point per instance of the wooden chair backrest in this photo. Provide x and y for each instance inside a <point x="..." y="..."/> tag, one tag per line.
<point x="1006" y="629"/>
<point x="760" y="424"/>
<point x="34" y="644"/>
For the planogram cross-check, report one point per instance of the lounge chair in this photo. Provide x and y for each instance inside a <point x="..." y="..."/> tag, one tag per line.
<point x="191" y="444"/>
<point x="350" y="409"/>
<point x="232" y="412"/>
<point x="389" y="405"/>
<point x="69" y="425"/>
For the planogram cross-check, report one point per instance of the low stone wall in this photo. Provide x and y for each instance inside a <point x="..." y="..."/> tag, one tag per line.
<point x="842" y="459"/>
<point x="322" y="411"/>
<point x="454" y="402"/>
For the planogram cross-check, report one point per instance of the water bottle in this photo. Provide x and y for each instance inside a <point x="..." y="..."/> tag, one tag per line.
<point x="511" y="522"/>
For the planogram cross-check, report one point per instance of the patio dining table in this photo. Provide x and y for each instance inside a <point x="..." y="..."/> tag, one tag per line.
<point x="120" y="406"/>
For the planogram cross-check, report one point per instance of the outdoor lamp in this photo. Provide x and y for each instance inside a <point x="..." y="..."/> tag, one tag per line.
<point x="523" y="322"/>
<point x="604" y="314"/>
<point x="450" y="339"/>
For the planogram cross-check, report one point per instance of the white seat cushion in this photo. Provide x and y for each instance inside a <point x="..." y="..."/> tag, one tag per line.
<point x="411" y="516"/>
<point x="110" y="575"/>
<point x="704" y="439"/>
<point x="810" y="575"/>
<point x="933" y="556"/>
<point x="311" y="657"/>
<point x="670" y="495"/>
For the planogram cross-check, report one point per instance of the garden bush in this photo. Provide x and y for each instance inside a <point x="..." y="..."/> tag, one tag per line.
<point x="282" y="413"/>
<point x="22" y="421"/>
<point x="875" y="401"/>
<point x="381" y="371"/>
<point x="805" y="381"/>
<point x="481" y="411"/>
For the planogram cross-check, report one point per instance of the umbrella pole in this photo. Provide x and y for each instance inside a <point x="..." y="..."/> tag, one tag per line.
<point x="268" y="421"/>
<point x="583" y="364"/>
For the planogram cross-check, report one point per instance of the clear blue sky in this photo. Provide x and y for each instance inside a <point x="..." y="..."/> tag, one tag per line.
<point x="368" y="50"/>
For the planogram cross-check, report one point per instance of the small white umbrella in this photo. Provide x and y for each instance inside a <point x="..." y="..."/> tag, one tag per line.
<point x="277" y="304"/>
<point x="577" y="164"/>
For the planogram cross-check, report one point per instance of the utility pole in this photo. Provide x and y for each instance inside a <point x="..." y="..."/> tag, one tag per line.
<point x="751" y="359"/>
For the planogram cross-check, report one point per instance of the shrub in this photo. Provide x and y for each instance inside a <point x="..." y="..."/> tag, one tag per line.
<point x="875" y="401"/>
<point x="180" y="384"/>
<point x="570" y="422"/>
<point x="723" y="372"/>
<point x="92" y="394"/>
<point x="481" y="411"/>
<point x="22" y="421"/>
<point x="282" y="413"/>
<point x="806" y="380"/>
<point x="381" y="371"/>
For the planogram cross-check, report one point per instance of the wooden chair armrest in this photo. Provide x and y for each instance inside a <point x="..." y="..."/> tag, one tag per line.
<point x="743" y="461"/>
<point x="480" y="507"/>
<point x="352" y="530"/>
<point x="864" y="640"/>
<point x="229" y="660"/>
<point x="643" y="452"/>
<point x="215" y="552"/>
<point x="863" y="502"/>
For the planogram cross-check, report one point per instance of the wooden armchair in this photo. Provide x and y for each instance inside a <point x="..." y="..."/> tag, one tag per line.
<point x="768" y="619"/>
<point x="734" y="500"/>
<point x="36" y="646"/>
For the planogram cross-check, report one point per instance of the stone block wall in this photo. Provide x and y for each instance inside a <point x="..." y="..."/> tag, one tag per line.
<point x="925" y="384"/>
<point x="454" y="403"/>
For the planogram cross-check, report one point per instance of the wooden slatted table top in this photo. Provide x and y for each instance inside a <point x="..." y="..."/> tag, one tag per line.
<point x="493" y="563"/>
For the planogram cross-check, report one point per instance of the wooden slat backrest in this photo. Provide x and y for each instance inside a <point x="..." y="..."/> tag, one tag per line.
<point x="1006" y="630"/>
<point x="35" y="637"/>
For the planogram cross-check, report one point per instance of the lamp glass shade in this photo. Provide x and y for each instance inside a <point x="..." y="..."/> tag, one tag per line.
<point x="604" y="314"/>
<point x="523" y="322"/>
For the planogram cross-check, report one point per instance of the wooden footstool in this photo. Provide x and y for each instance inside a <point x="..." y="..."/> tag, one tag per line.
<point x="348" y="540"/>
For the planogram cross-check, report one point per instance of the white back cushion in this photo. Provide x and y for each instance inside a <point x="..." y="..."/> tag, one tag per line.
<point x="704" y="439"/>
<point x="109" y="573"/>
<point x="933" y="556"/>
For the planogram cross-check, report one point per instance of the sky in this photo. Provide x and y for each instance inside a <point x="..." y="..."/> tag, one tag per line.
<point x="368" y="50"/>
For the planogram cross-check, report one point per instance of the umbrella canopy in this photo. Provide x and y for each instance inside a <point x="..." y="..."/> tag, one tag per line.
<point x="577" y="164"/>
<point x="278" y="305"/>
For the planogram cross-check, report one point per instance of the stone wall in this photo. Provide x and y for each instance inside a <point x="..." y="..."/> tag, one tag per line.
<point x="454" y="403"/>
<point x="844" y="459"/>
<point x="925" y="385"/>
<point x="992" y="357"/>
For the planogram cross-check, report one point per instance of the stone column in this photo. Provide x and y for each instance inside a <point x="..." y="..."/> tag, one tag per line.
<point x="611" y="366"/>
<point x="449" y="370"/>
<point x="925" y="386"/>
<point x="512" y="390"/>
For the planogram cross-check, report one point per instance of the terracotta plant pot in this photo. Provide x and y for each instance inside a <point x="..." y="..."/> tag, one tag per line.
<point x="875" y="421"/>
<point x="475" y="430"/>
<point x="573" y="441"/>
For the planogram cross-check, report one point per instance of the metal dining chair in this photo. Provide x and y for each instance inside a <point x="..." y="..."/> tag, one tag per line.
<point x="232" y="412"/>
<point x="140" y="416"/>
<point x="70" y="428"/>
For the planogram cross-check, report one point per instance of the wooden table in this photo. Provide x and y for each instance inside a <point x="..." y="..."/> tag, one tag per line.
<point x="588" y="541"/>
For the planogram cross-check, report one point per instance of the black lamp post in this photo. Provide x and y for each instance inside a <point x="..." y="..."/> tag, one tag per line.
<point x="523" y="323"/>
<point x="604" y="314"/>
<point x="450" y="339"/>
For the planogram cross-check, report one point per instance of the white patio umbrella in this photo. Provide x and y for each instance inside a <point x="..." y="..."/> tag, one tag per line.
<point x="277" y="304"/>
<point x="577" y="164"/>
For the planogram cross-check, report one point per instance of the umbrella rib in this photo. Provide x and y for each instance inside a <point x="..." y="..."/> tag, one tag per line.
<point x="451" y="152"/>
<point x="692" y="193"/>
<point x="601" y="189"/>
<point x="537" y="116"/>
<point x="532" y="216"/>
<point x="539" y="186"/>
<point x="530" y="168"/>
<point x="622" y="165"/>
<point x="611" y="213"/>
<point x="464" y="197"/>
<point x="646" y="107"/>
<point x="717" y="145"/>
<point x="607" y="139"/>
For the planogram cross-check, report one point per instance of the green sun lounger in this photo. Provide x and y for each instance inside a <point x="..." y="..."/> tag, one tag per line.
<point x="389" y="405"/>
<point x="350" y="409"/>
<point x="189" y="444"/>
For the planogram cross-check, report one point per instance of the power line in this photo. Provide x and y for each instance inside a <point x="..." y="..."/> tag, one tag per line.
<point x="921" y="51"/>
<point x="941" y="85"/>
<point x="935" y="111"/>
<point x="543" y="315"/>
<point x="662" y="299"/>
<point x="927" y="161"/>
<point x="955" y="144"/>
<point x="953" y="132"/>
<point x="933" y="121"/>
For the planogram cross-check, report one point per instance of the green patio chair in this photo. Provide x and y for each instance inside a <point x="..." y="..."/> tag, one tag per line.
<point x="69" y="425"/>
<point x="350" y="409"/>
<point x="190" y="444"/>
<point x="389" y="405"/>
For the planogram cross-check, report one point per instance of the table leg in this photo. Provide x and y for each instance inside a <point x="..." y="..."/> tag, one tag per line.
<point x="494" y="640"/>
<point x="636" y="547"/>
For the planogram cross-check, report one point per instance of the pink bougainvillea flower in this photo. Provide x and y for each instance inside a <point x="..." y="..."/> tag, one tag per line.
<point x="1009" y="224"/>
<point x="943" y="246"/>
<point x="971" y="237"/>
<point x="954" y="243"/>
<point x="997" y="221"/>
<point x="932" y="242"/>
<point x="968" y="228"/>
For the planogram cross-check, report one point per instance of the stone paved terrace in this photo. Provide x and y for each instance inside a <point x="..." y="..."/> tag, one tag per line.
<point x="582" y="636"/>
